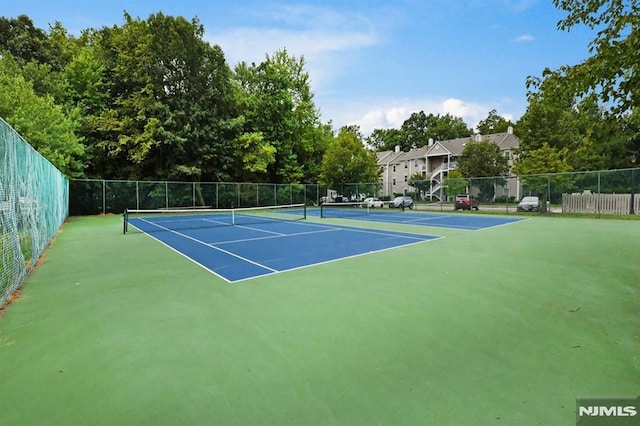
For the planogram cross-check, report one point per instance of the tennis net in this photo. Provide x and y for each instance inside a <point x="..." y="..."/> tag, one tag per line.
<point x="346" y="210"/>
<point x="184" y="219"/>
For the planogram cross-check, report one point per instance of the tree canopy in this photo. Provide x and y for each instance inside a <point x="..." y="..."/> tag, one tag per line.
<point x="151" y="99"/>
<point x="606" y="85"/>
<point x="482" y="159"/>
<point x="612" y="70"/>
<point x="416" y="131"/>
<point x="39" y="120"/>
<point x="494" y="123"/>
<point x="347" y="160"/>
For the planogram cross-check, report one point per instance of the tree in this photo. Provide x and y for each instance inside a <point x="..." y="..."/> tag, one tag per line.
<point x="277" y="101"/>
<point x="39" y="120"/>
<point x="25" y="42"/>
<point x="347" y="160"/>
<point x="199" y="135"/>
<point x="318" y="140"/>
<point x="494" y="123"/>
<point x="387" y="140"/>
<point x="541" y="161"/>
<point x="612" y="70"/>
<point x="416" y="131"/>
<point x="419" y="128"/>
<point x="171" y="111"/>
<point x="446" y="127"/>
<point x="610" y="74"/>
<point x="418" y="181"/>
<point x="455" y="183"/>
<point x="534" y="170"/>
<point x="577" y="128"/>
<point x="484" y="160"/>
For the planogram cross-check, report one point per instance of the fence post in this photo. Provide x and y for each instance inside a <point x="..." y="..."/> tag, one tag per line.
<point x="599" y="200"/>
<point x="633" y="185"/>
<point x="548" y="194"/>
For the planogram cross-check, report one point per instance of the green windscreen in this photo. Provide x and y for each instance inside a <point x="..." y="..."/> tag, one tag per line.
<point x="34" y="200"/>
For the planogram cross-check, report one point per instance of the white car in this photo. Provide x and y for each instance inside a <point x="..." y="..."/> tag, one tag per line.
<point x="372" y="202"/>
<point x="529" y="204"/>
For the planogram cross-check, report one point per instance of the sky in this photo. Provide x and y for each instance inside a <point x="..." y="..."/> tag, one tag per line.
<point x="371" y="63"/>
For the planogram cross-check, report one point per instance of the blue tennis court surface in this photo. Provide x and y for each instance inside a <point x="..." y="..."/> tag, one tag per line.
<point x="245" y="251"/>
<point x="410" y="217"/>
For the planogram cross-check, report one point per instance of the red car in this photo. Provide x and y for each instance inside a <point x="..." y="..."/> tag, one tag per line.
<point x="466" y="202"/>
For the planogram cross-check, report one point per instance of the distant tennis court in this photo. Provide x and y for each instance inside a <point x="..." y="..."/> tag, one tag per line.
<point x="410" y="217"/>
<point x="262" y="241"/>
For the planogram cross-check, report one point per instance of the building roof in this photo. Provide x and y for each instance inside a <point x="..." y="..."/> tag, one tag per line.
<point x="388" y="157"/>
<point x="412" y="154"/>
<point x="453" y="147"/>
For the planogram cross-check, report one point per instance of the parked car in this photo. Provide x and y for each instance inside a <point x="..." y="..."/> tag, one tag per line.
<point x="372" y="202"/>
<point x="529" y="204"/>
<point x="466" y="202"/>
<point x="401" y="202"/>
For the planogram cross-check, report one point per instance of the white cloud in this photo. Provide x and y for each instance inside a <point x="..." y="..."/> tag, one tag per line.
<point x="524" y="38"/>
<point x="386" y="114"/>
<point x="319" y="35"/>
<point x="251" y="45"/>
<point x="519" y="5"/>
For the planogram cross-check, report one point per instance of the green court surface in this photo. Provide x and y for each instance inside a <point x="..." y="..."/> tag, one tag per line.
<point x="505" y="326"/>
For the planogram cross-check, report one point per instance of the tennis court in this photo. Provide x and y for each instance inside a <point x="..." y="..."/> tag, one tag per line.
<point x="411" y="217"/>
<point x="263" y="240"/>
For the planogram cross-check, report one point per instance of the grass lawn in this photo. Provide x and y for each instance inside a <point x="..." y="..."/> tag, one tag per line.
<point x="505" y="326"/>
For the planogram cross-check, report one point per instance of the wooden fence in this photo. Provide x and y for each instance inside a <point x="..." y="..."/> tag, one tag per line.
<point x="600" y="203"/>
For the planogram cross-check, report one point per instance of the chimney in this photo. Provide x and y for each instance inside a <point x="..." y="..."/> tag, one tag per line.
<point x="510" y="130"/>
<point x="430" y="141"/>
<point x="397" y="148"/>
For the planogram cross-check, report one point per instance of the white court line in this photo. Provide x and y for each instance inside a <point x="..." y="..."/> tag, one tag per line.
<point x="213" y="247"/>
<point x="216" y="221"/>
<point x="185" y="256"/>
<point x="422" y="219"/>
<point x="261" y="230"/>
<point x="337" y="260"/>
<point x="502" y="224"/>
<point x="426" y="219"/>
<point x="407" y="235"/>
<point x="418" y="221"/>
<point x="325" y="228"/>
<point x="277" y="236"/>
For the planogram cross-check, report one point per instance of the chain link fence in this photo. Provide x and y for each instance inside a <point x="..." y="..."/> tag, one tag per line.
<point x="89" y="197"/>
<point x="599" y="192"/>
<point x="33" y="205"/>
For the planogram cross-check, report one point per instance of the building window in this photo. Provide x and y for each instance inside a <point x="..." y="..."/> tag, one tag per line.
<point x="394" y="181"/>
<point x="415" y="163"/>
<point x="394" y="168"/>
<point x="507" y="154"/>
<point x="406" y="164"/>
<point x="405" y="178"/>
